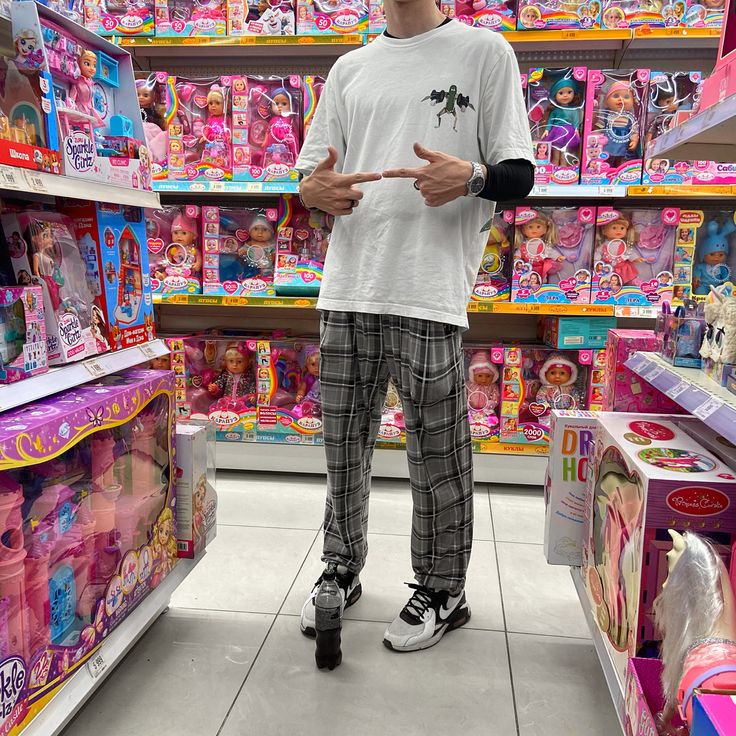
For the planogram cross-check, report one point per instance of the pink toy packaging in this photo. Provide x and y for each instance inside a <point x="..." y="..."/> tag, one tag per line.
<point x="259" y="18"/>
<point x="119" y="18"/>
<point x="313" y="87"/>
<point x="632" y="13"/>
<point x="555" y="100"/>
<point x="377" y="15"/>
<point x="393" y="427"/>
<point x="552" y="255"/>
<point x="200" y="130"/>
<point x="483" y="367"/>
<point x="497" y="15"/>
<point x="644" y="698"/>
<point x="713" y="714"/>
<point x="597" y="381"/>
<point x="91" y="96"/>
<point x="624" y="389"/>
<point x="722" y="81"/>
<point x="184" y="18"/>
<point x="493" y="283"/>
<point x="614" y="112"/>
<point x="87" y="513"/>
<point x="23" y="337"/>
<point x="303" y="237"/>
<point x="289" y="395"/>
<point x="704" y="13"/>
<point x="112" y="238"/>
<point x="175" y="249"/>
<point x="647" y="476"/>
<point x="267" y="127"/>
<point x="44" y="252"/>
<point x="535" y="381"/>
<point x="239" y="251"/>
<point x="196" y="497"/>
<point x="331" y="16"/>
<point x="539" y="15"/>
<point x="634" y="255"/>
<point x="714" y="258"/>
<point x="571" y="439"/>
<point x="156" y="105"/>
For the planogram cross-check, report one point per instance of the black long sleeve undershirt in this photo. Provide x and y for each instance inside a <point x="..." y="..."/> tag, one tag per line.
<point x="511" y="179"/>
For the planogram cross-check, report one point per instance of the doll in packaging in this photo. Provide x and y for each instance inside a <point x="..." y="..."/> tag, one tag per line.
<point x="234" y="387"/>
<point x="483" y="393"/>
<point x="715" y="256"/>
<point x="261" y="17"/>
<point x="704" y="13"/>
<point x="498" y="15"/>
<point x="493" y="283"/>
<point x="633" y="13"/>
<point x="308" y="394"/>
<point x="174" y="250"/>
<point x="613" y="118"/>
<point x="152" y="93"/>
<point x="552" y="14"/>
<point x="183" y="18"/>
<point x="332" y="16"/>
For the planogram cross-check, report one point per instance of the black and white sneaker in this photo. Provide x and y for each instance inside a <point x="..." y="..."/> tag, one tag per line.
<point x="426" y="618"/>
<point x="349" y="586"/>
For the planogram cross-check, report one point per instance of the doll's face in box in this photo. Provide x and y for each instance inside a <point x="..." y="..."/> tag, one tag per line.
<point x="260" y="232"/>
<point x="215" y="105"/>
<point x="43" y="239"/>
<point x="558" y="375"/>
<point x="183" y="237"/>
<point x="536" y="228"/>
<point x="281" y="105"/>
<point x="235" y="362"/>
<point x="615" y="230"/>
<point x="713" y="259"/>
<point x="621" y="99"/>
<point x="565" y="96"/>
<point x="145" y="96"/>
<point x="483" y="377"/>
<point x="312" y="364"/>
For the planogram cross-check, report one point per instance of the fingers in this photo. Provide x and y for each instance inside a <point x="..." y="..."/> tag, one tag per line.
<point x="425" y="153"/>
<point x="362" y="177"/>
<point x="328" y="163"/>
<point x="404" y="173"/>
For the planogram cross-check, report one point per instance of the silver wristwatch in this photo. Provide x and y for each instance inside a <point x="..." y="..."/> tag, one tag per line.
<point x="477" y="180"/>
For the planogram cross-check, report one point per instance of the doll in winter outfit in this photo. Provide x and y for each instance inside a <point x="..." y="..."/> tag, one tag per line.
<point x="558" y="375"/>
<point x="714" y="251"/>
<point x="184" y="232"/>
<point x="482" y="385"/>
<point x="235" y="386"/>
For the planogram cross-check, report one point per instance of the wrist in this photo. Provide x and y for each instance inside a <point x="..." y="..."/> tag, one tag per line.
<point x="477" y="177"/>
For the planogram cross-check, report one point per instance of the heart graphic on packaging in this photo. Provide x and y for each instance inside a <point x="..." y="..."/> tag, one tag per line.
<point x="178" y="26"/>
<point x="568" y="284"/>
<point x="231" y="287"/>
<point x="155" y="283"/>
<point x="109" y="23"/>
<point x="242" y="235"/>
<point x="155" y="245"/>
<point x="196" y="381"/>
<point x="200" y="100"/>
<point x="256" y="172"/>
<point x="308" y="277"/>
<point x="532" y="434"/>
<point x="650" y="286"/>
<point x="537" y="409"/>
<point x="302" y="234"/>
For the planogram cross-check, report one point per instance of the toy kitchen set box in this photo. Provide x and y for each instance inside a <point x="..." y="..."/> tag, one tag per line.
<point x="88" y="97"/>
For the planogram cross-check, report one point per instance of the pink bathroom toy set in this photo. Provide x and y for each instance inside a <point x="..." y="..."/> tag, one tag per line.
<point x="23" y="351"/>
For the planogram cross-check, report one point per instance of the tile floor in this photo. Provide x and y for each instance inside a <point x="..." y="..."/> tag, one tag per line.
<point x="228" y="659"/>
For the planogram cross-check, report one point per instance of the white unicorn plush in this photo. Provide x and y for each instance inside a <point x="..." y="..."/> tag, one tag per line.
<point x="719" y="343"/>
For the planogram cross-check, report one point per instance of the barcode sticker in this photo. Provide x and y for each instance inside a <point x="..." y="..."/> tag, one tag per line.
<point x="674" y="391"/>
<point x="94" y="368"/>
<point x="709" y="407"/>
<point x="96" y="666"/>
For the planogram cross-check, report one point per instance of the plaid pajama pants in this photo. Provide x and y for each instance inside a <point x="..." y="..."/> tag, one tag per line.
<point x="358" y="353"/>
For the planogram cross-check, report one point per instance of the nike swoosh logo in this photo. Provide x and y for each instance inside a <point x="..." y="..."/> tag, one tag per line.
<point x="445" y="613"/>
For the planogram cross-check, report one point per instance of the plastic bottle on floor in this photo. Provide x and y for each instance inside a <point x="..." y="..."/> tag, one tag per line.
<point x="328" y="622"/>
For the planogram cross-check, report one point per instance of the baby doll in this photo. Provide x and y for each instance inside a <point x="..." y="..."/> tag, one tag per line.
<point x="482" y="385"/>
<point x="562" y="130"/>
<point x="615" y="246"/>
<point x="308" y="394"/>
<point x="557" y="376"/>
<point x="215" y="133"/>
<point x="257" y="253"/>
<point x="80" y="91"/>
<point x="235" y="384"/>
<point x="281" y="144"/>
<point x="535" y="241"/>
<point x="664" y="104"/>
<point x="618" y="120"/>
<point x="714" y="251"/>
<point x="184" y="232"/>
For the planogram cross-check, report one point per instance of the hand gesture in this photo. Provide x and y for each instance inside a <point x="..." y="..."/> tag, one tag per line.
<point x="324" y="189"/>
<point x="442" y="180"/>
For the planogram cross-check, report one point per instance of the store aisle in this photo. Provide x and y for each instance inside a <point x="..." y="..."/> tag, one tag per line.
<point x="228" y="658"/>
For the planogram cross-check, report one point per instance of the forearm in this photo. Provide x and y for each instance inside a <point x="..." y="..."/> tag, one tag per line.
<point x="510" y="179"/>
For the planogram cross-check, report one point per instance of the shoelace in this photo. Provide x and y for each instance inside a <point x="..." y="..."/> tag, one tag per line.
<point x="418" y="604"/>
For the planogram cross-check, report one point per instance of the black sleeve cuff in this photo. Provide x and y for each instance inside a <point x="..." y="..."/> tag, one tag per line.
<point x="511" y="179"/>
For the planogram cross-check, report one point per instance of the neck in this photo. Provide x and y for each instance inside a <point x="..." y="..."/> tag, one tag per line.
<point x="409" y="19"/>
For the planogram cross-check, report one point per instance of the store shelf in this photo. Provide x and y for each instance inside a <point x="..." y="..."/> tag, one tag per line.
<point x="691" y="389"/>
<point x="226" y="187"/>
<point x="614" y="686"/>
<point x="207" y="300"/>
<point x="673" y="191"/>
<point x="578" y="191"/>
<point x="75" y="374"/>
<point x="591" y="192"/>
<point x="517" y="469"/>
<point x="80" y="686"/>
<point x="710" y="135"/>
<point x="13" y="179"/>
<point x="570" y="310"/>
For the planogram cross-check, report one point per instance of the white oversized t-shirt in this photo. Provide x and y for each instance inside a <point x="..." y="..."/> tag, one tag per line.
<point x="455" y="89"/>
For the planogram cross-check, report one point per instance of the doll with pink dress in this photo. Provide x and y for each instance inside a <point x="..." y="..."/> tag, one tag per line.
<point x="234" y="387"/>
<point x="308" y="394"/>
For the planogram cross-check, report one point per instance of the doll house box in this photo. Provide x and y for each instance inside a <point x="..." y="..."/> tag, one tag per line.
<point x="112" y="238"/>
<point x="92" y="96"/>
<point x="648" y="475"/>
<point x="87" y="515"/>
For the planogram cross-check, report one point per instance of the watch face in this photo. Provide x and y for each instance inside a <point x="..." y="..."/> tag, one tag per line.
<point x="476" y="185"/>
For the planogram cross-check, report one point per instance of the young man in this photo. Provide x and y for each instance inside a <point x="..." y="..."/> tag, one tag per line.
<point x="411" y="129"/>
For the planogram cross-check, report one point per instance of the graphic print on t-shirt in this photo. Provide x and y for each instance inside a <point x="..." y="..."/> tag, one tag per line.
<point x="453" y="101"/>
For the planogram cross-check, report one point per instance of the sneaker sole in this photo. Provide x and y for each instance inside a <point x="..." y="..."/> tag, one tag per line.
<point x="457" y="619"/>
<point x="354" y="596"/>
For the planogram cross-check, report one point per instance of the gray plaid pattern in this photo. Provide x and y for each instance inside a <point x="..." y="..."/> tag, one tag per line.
<point x="359" y="352"/>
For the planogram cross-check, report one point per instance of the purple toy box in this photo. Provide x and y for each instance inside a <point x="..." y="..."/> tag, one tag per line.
<point x="87" y="516"/>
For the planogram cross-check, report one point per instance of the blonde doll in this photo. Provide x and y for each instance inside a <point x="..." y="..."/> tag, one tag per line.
<point x="534" y="244"/>
<point x="615" y="245"/>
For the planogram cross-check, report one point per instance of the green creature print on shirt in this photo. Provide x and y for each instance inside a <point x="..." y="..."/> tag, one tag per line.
<point x="453" y="101"/>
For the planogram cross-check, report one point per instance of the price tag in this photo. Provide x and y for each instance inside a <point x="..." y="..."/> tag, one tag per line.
<point x="653" y="371"/>
<point x="94" y="368"/>
<point x="254" y="187"/>
<point x="540" y="190"/>
<point x="10" y="178"/>
<point x="606" y="191"/>
<point x="35" y="182"/>
<point x="148" y="352"/>
<point x="217" y="186"/>
<point x="674" y="391"/>
<point x="96" y="666"/>
<point x="709" y="407"/>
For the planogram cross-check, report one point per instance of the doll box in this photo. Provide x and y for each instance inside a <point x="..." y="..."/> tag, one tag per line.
<point x="701" y="14"/>
<point x="331" y="16"/>
<point x="483" y="366"/>
<point x="23" y="336"/>
<point x="493" y="282"/>
<point x="714" y="715"/>
<point x="393" y="428"/>
<point x="706" y="250"/>
<point x="682" y="337"/>
<point x="97" y="116"/>
<point x="196" y="497"/>
<point x="94" y="520"/>
<point x="28" y="134"/>
<point x="185" y="18"/>
<point x="647" y="476"/>
<point x="537" y="15"/>
<point x="124" y="19"/>
<point x="248" y="18"/>
<point x="571" y="439"/>
<point x="644" y="698"/>
<point x="496" y="15"/>
<point x="113" y="240"/>
<point x="577" y="332"/>
<point x="632" y="13"/>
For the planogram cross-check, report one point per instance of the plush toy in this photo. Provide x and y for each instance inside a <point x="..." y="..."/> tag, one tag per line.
<point x="714" y="251"/>
<point x="719" y="343"/>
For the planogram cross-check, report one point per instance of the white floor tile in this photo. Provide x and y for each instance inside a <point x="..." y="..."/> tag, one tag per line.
<point x="245" y="569"/>
<point x="181" y="678"/>
<point x="560" y="690"/>
<point x="270" y="500"/>
<point x="460" y="686"/>
<point x="538" y="598"/>
<point x="518" y="516"/>
<point x="388" y="567"/>
<point x="391" y="506"/>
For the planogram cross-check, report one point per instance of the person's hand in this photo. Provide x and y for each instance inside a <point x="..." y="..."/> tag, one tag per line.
<point x="324" y="189"/>
<point x="442" y="180"/>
